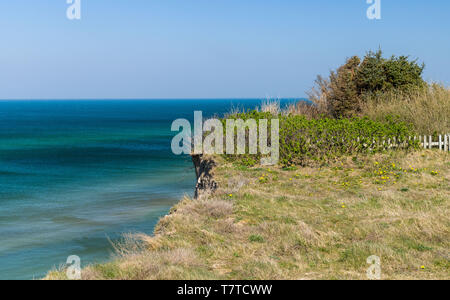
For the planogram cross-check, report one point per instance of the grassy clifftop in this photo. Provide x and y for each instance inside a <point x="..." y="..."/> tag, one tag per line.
<point x="302" y="223"/>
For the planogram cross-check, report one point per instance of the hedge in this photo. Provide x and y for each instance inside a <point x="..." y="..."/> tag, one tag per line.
<point x="305" y="140"/>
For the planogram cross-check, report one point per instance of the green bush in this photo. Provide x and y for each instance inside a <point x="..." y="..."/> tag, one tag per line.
<point x="248" y="159"/>
<point x="343" y="93"/>
<point x="396" y="73"/>
<point x="303" y="140"/>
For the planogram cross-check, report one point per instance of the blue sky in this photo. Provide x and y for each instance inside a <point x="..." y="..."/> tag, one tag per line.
<point x="205" y="48"/>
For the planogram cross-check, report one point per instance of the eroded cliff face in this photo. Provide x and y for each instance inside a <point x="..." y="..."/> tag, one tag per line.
<point x="204" y="170"/>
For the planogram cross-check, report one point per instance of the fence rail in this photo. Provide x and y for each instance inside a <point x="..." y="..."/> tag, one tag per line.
<point x="442" y="142"/>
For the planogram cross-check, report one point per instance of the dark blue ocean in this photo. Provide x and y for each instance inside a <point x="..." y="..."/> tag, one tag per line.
<point x="76" y="174"/>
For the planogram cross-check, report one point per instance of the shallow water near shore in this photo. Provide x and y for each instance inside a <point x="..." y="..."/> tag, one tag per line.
<point x="76" y="174"/>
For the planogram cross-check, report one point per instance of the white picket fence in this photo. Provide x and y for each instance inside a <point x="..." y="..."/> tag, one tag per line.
<point x="442" y="142"/>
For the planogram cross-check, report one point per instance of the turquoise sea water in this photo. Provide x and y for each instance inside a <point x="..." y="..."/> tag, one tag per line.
<point x="76" y="174"/>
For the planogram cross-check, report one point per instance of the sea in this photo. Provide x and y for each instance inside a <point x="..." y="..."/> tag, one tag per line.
<point x="76" y="175"/>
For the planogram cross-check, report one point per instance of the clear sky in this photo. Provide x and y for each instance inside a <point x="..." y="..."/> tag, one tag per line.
<point x="205" y="48"/>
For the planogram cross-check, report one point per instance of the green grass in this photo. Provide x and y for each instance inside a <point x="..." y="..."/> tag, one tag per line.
<point x="302" y="223"/>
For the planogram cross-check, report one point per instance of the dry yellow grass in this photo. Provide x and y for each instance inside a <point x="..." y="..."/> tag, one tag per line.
<point x="272" y="106"/>
<point x="305" y="223"/>
<point x="428" y="109"/>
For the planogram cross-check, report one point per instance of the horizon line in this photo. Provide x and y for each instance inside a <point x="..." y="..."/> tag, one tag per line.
<point x="152" y="99"/>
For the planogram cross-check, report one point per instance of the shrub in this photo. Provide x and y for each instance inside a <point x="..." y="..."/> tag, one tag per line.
<point x="304" y="140"/>
<point x="379" y="74"/>
<point x="248" y="159"/>
<point x="342" y="94"/>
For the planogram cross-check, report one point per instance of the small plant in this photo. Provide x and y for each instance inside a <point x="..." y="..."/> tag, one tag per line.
<point x="263" y="179"/>
<point x="256" y="238"/>
<point x="387" y="172"/>
<point x="290" y="168"/>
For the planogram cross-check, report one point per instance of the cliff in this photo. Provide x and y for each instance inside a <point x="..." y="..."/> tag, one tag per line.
<point x="204" y="170"/>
